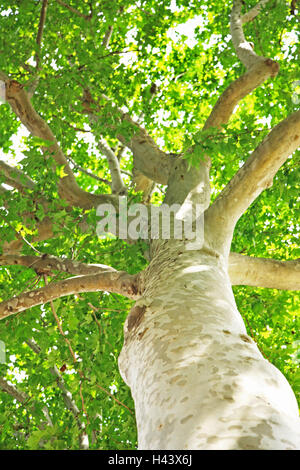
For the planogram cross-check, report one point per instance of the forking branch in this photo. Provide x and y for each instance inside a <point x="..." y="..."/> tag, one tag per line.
<point x="256" y="174"/>
<point x="259" y="69"/>
<point x="260" y="168"/>
<point x="68" y="188"/>
<point x="118" y="282"/>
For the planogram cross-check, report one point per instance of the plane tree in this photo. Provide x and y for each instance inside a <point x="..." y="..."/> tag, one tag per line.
<point x="183" y="103"/>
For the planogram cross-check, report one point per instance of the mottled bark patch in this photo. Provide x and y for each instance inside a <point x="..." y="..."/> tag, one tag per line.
<point x="186" y="418"/>
<point x="135" y="317"/>
<point x="142" y="333"/>
<point x="263" y="429"/>
<point x="246" y="339"/>
<point x="131" y="286"/>
<point x="212" y="440"/>
<point x="249" y="443"/>
<point x="273" y="65"/>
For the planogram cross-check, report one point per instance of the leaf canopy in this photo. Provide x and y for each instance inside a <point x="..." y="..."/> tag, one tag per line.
<point x="184" y="48"/>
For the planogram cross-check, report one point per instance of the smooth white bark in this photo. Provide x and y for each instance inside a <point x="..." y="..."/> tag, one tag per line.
<point x="118" y="186"/>
<point x="243" y="48"/>
<point x="197" y="379"/>
<point x="251" y="14"/>
<point x="264" y="272"/>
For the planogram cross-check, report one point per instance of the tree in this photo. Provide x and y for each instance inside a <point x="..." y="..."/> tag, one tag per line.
<point x="121" y="109"/>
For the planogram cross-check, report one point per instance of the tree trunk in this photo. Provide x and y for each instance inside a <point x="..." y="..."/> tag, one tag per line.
<point x="197" y="379"/>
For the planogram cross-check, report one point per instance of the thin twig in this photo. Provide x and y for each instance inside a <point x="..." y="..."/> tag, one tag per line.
<point x="115" y="399"/>
<point x="78" y="129"/>
<point x="73" y="10"/>
<point x="107" y="37"/>
<point x="95" y="318"/>
<point x="40" y="31"/>
<point x="67" y="397"/>
<point x="59" y="324"/>
<point x="87" y="172"/>
<point x="31" y="246"/>
<point x="24" y="239"/>
<point x="31" y="284"/>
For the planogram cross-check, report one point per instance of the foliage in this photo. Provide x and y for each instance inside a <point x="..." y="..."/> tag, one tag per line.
<point x="190" y="71"/>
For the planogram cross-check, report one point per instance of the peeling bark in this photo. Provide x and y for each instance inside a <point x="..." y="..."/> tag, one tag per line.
<point x="197" y="379"/>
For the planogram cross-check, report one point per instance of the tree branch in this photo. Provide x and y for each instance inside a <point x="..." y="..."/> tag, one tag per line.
<point x="264" y="272"/>
<point x="118" y="282"/>
<point x="15" y="177"/>
<point x="107" y="37"/>
<point x="67" y="397"/>
<point x="141" y="182"/>
<point x="68" y="187"/>
<point x="259" y="69"/>
<point x="243" y="48"/>
<point x="256" y="174"/>
<point x="117" y="185"/>
<point x="238" y="89"/>
<point x="144" y="184"/>
<point x="13" y="391"/>
<point x="251" y="14"/>
<point x="40" y="31"/>
<point x="34" y="83"/>
<point x="18" y="180"/>
<point x="147" y="156"/>
<point x="47" y="264"/>
<point x="67" y="341"/>
<point x="72" y="407"/>
<point x="45" y="231"/>
<point x="23" y="398"/>
<point x="87" y="172"/>
<point x="73" y="10"/>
